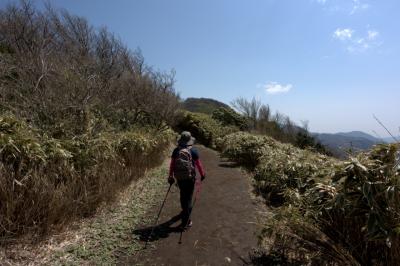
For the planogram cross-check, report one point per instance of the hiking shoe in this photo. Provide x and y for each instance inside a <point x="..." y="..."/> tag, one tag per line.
<point x="189" y="225"/>
<point x="185" y="226"/>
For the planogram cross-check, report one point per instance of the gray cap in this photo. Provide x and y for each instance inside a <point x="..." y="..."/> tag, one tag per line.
<point x="186" y="139"/>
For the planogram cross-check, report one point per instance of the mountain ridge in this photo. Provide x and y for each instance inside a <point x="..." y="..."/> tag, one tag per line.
<point x="358" y="134"/>
<point x="342" y="143"/>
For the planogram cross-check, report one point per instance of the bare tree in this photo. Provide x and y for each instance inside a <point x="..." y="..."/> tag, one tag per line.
<point x="264" y="113"/>
<point x="250" y="109"/>
<point x="56" y="69"/>
<point x="305" y="125"/>
<point x="279" y="119"/>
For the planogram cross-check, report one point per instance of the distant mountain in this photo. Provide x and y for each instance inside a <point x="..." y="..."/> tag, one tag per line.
<point x="202" y="105"/>
<point x="342" y="142"/>
<point x="391" y="140"/>
<point x="358" y="134"/>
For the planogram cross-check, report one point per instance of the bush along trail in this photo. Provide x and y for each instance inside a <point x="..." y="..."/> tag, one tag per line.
<point x="224" y="222"/>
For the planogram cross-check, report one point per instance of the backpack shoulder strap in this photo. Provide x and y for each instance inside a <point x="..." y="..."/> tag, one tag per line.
<point x="187" y="151"/>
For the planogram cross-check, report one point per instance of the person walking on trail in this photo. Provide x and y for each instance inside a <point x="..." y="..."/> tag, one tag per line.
<point x="184" y="161"/>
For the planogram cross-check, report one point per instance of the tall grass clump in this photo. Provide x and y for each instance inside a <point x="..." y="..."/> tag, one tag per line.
<point x="364" y="216"/>
<point x="323" y="211"/>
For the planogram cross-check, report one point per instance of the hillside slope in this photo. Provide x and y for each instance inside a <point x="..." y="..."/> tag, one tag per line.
<point x="74" y="130"/>
<point x="203" y="105"/>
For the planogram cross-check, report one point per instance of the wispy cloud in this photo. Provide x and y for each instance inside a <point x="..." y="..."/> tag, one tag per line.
<point x="358" y="5"/>
<point x="275" y="88"/>
<point x="356" y="43"/>
<point x="343" y="34"/>
<point x="348" y="6"/>
<point x="372" y="35"/>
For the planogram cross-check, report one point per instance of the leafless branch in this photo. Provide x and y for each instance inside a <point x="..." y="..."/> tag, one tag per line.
<point x="387" y="130"/>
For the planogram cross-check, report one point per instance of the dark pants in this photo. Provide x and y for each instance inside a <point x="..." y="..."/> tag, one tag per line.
<point x="186" y="188"/>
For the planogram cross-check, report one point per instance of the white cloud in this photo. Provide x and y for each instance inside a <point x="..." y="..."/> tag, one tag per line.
<point x="343" y="34"/>
<point x="276" y="88"/>
<point x="358" y="5"/>
<point x="346" y="6"/>
<point x="357" y="44"/>
<point x="372" y="34"/>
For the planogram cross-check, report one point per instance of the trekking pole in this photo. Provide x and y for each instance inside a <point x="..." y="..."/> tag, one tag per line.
<point x="158" y="216"/>
<point x="190" y="214"/>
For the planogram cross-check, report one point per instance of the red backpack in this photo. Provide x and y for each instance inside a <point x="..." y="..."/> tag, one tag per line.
<point x="183" y="168"/>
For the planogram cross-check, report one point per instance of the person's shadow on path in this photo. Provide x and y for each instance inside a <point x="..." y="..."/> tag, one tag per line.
<point x="160" y="231"/>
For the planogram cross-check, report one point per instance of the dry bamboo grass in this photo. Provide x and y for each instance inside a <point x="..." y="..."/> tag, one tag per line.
<point x="328" y="212"/>
<point x="46" y="182"/>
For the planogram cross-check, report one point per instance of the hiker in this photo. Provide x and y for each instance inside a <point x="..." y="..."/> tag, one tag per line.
<point x="184" y="160"/>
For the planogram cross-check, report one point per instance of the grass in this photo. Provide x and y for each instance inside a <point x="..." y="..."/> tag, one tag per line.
<point x="110" y="235"/>
<point x="106" y="237"/>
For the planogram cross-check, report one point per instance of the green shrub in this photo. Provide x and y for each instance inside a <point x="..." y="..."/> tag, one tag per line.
<point x="277" y="166"/>
<point x="204" y="128"/>
<point x="244" y="148"/>
<point x="229" y="117"/>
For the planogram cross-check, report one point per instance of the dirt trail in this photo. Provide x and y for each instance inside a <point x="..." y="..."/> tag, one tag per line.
<point x="224" y="216"/>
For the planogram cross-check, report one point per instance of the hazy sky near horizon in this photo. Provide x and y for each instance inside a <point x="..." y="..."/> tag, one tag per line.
<point x="331" y="62"/>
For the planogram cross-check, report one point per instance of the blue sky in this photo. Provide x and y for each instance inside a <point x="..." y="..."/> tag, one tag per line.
<point x="331" y="62"/>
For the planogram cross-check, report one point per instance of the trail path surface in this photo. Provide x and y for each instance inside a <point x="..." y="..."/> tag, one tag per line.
<point x="224" y="217"/>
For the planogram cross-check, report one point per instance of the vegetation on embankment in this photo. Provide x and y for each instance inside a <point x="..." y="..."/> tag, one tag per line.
<point x="325" y="211"/>
<point x="81" y="116"/>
